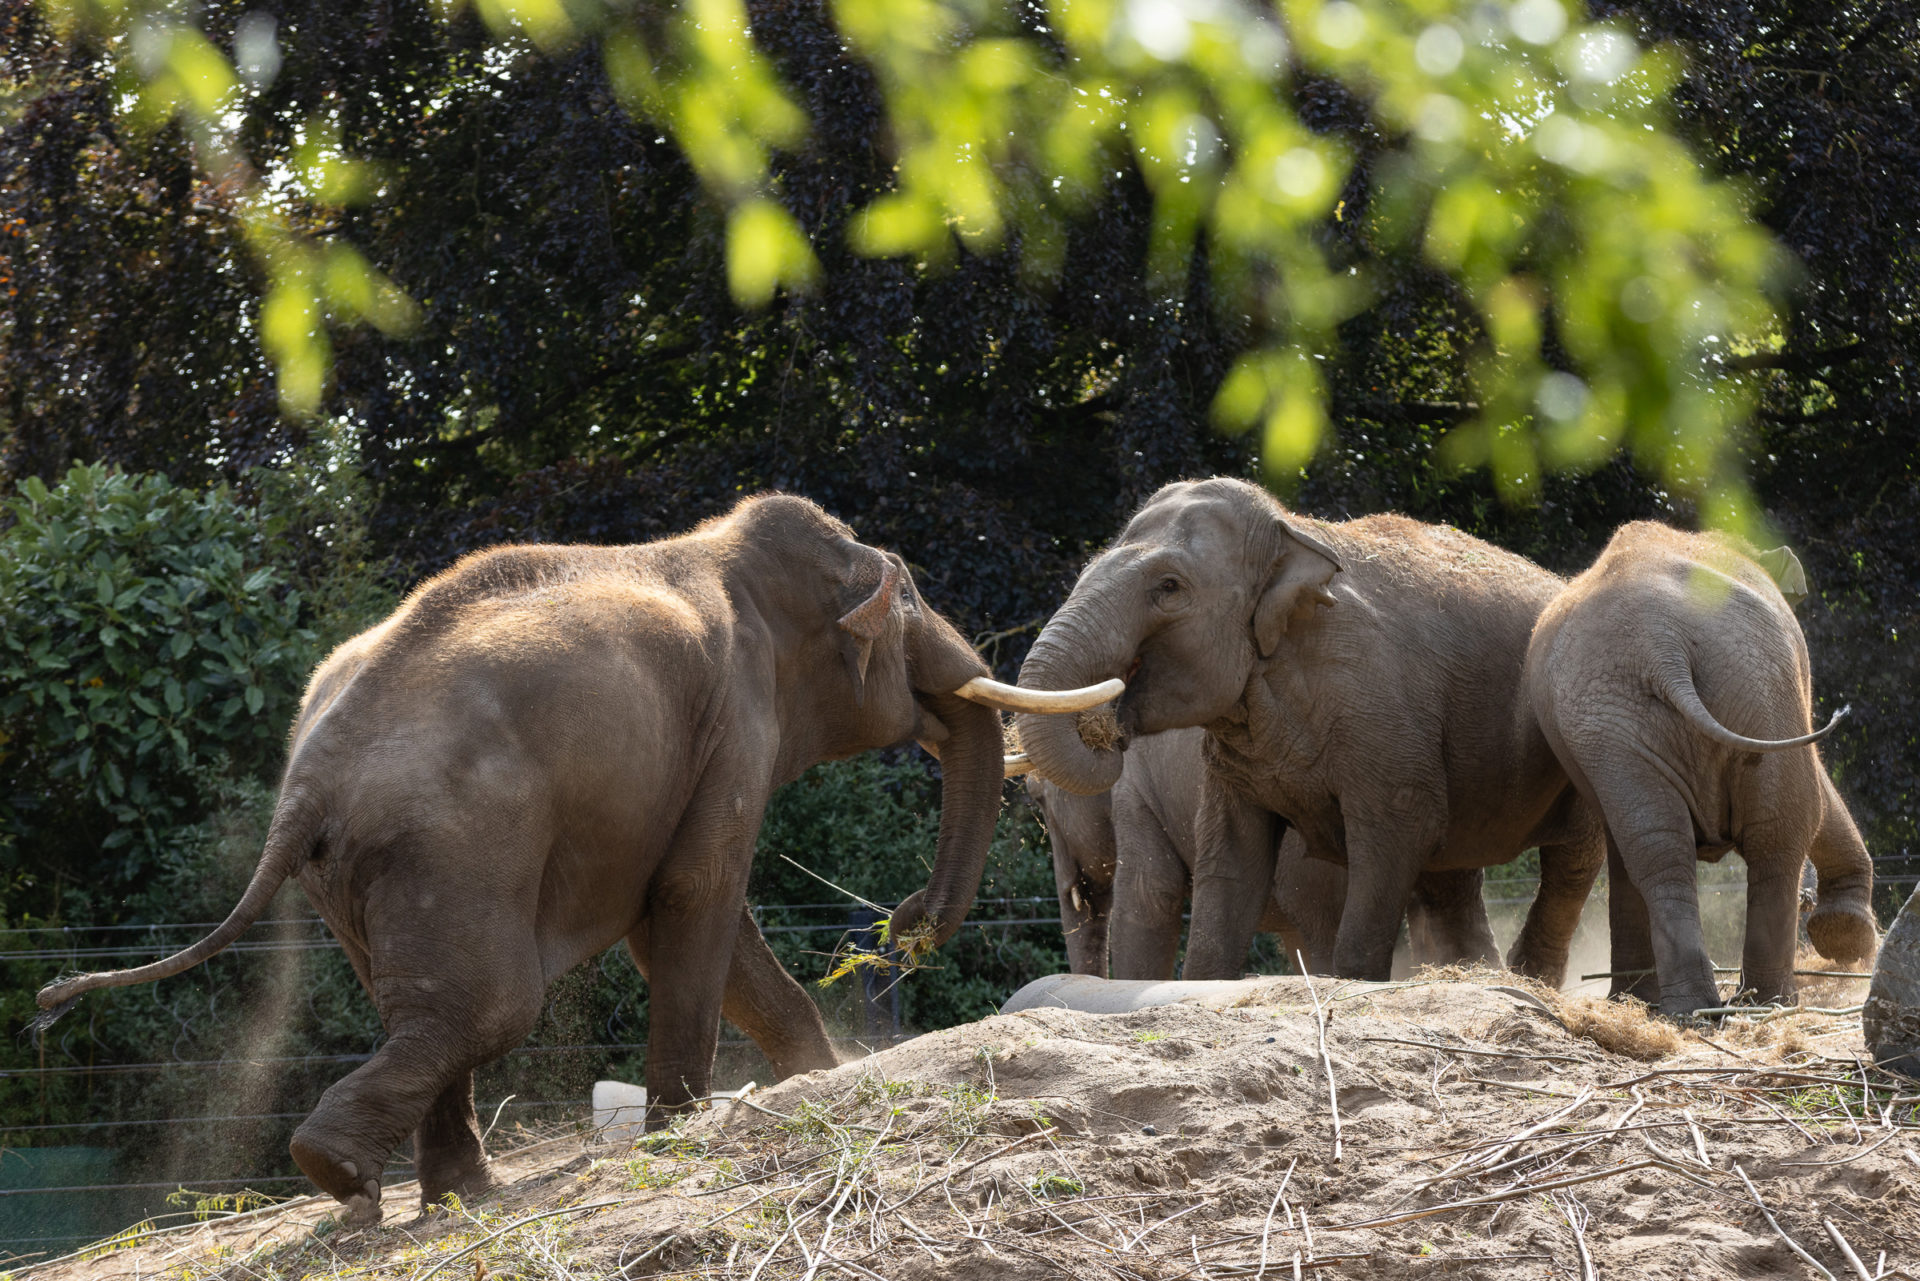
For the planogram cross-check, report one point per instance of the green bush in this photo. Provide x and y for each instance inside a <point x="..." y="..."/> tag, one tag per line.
<point x="149" y="645"/>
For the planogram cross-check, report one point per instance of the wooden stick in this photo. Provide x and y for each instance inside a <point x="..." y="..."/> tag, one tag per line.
<point x="1576" y="1215"/>
<point x="1326" y="1061"/>
<point x="1731" y="969"/>
<point x="1267" y="1228"/>
<point x="1845" y="1159"/>
<point x="1499" y="1197"/>
<point x="1793" y="1245"/>
<point x="1699" y="1140"/>
<point x="1025" y="1138"/>
<point x="1462" y="1049"/>
<point x="1853" y="1260"/>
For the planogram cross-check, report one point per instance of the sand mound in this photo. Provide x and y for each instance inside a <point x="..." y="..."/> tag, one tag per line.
<point x="1485" y="1129"/>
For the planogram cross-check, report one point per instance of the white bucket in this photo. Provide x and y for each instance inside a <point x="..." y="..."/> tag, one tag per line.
<point x="619" y="1110"/>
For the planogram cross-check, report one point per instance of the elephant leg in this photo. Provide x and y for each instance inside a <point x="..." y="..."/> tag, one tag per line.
<point x="693" y="909"/>
<point x="1387" y="849"/>
<point x="1567" y="872"/>
<point x="447" y="1155"/>
<point x="1232" y="880"/>
<point x="1650" y="823"/>
<point x="1842" y="925"/>
<point x="420" y="1079"/>
<point x="765" y="1002"/>
<point x="1149" y="889"/>
<point x="762" y="1000"/>
<point x="1447" y="920"/>
<point x="1773" y="920"/>
<point x="1309" y="894"/>
<point x="1630" y="934"/>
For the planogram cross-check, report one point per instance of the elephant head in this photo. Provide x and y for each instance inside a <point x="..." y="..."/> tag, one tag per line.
<point x="1203" y="582"/>
<point x="909" y="674"/>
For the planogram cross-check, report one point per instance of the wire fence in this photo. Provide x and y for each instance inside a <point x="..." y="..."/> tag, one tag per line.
<point x="96" y="943"/>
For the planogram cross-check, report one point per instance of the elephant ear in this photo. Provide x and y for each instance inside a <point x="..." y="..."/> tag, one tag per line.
<point x="1297" y="582"/>
<point x="1784" y="568"/>
<point x="864" y="624"/>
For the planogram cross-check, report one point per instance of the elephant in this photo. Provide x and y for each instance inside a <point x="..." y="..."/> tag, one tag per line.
<point x="1673" y="683"/>
<point x="547" y="749"/>
<point x="1123" y="862"/>
<point x="1358" y="681"/>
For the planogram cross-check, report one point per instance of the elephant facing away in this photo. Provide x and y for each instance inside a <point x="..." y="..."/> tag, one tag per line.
<point x="1123" y="864"/>
<point x="1357" y="681"/>
<point x="547" y="749"/>
<point x="1672" y="680"/>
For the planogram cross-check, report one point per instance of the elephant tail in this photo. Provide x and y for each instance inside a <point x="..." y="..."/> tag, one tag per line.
<point x="291" y="839"/>
<point x="1677" y="688"/>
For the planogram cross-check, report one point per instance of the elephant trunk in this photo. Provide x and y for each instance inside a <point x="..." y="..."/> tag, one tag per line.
<point x="1842" y="924"/>
<point x="969" y="804"/>
<point x="1070" y="654"/>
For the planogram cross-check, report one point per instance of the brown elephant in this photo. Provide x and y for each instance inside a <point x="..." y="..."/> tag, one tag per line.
<point x="547" y="749"/>
<point x="1672" y="681"/>
<point x="1358" y="681"/>
<point x="1123" y="866"/>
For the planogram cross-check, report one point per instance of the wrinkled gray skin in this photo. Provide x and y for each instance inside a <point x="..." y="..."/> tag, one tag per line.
<point x="547" y="749"/>
<point x="1123" y="865"/>
<point x="1358" y="681"/>
<point x="1673" y="682"/>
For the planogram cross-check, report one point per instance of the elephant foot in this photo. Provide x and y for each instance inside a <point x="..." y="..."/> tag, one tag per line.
<point x="1681" y="1008"/>
<point x="361" y="1212"/>
<point x="1645" y="989"/>
<point x="339" y="1177"/>
<point x="1535" y="963"/>
<point x="469" y="1183"/>
<point x="1842" y="934"/>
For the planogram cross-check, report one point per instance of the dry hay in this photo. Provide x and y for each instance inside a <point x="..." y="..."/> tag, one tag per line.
<point x="1482" y="1137"/>
<point x="1099" y="728"/>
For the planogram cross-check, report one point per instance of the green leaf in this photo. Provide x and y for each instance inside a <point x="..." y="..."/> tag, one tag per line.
<point x="256" y="699"/>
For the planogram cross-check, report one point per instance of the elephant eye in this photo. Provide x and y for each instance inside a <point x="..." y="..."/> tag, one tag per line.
<point x="1169" y="584"/>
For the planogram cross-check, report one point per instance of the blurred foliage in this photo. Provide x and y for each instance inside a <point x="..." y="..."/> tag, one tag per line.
<point x="1522" y="153"/>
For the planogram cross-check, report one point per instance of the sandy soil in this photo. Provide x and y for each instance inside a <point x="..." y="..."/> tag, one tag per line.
<point x="1484" y="1130"/>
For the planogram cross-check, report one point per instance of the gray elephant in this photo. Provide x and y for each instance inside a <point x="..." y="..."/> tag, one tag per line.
<point x="547" y="749"/>
<point x="1358" y="681"/>
<point x="1123" y="865"/>
<point x="1673" y="682"/>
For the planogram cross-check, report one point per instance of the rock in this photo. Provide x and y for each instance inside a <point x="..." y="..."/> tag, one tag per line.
<point x="1891" y="1019"/>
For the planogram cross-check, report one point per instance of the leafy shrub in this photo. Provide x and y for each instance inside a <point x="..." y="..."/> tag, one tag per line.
<point x="148" y="644"/>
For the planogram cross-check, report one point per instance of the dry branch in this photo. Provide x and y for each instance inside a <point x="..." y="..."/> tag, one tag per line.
<point x="1774" y="1223"/>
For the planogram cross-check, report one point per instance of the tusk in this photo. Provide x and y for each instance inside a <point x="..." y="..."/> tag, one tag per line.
<point x="1016" y="765"/>
<point x="1014" y="698"/>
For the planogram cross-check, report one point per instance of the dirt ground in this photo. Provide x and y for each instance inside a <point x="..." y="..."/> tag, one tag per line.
<point x="1484" y="1130"/>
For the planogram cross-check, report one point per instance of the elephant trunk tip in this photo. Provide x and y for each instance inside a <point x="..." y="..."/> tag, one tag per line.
<point x="47" y="1017"/>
